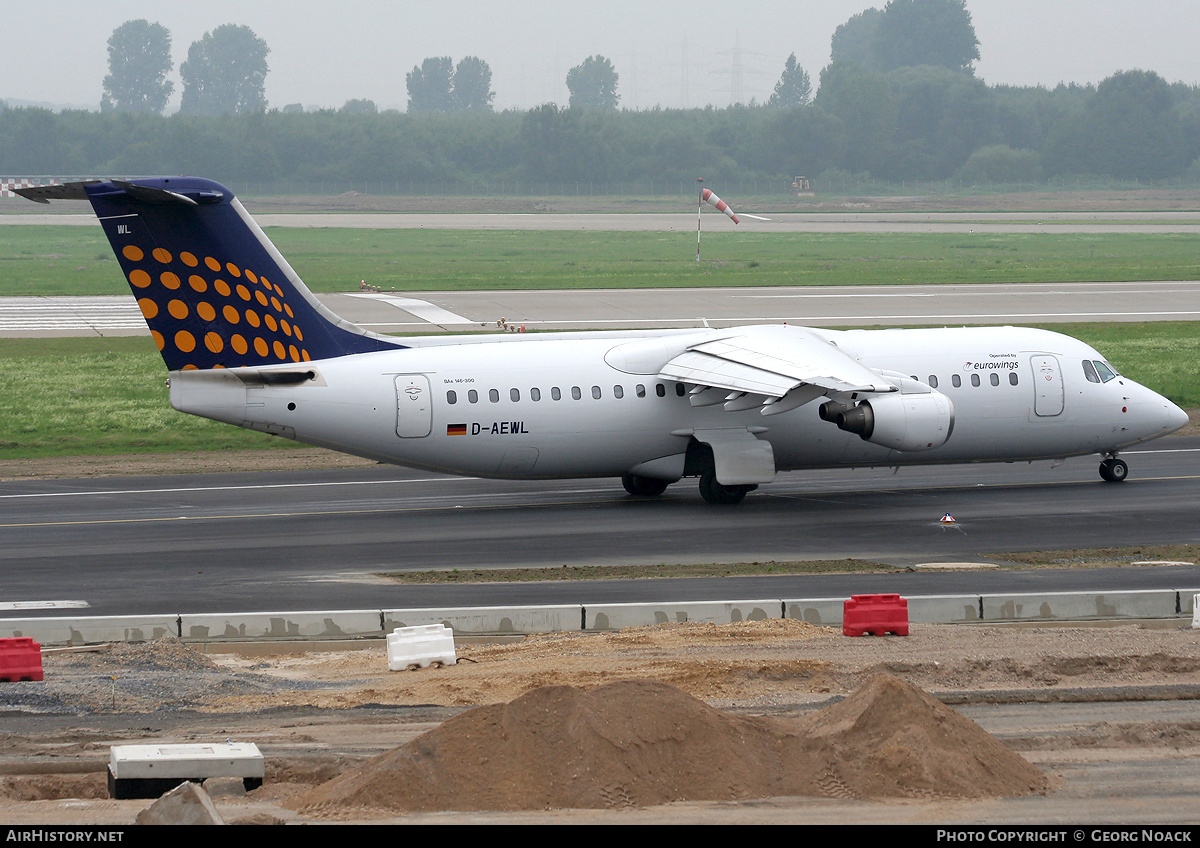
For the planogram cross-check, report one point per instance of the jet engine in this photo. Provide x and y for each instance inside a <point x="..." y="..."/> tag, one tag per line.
<point x="906" y="422"/>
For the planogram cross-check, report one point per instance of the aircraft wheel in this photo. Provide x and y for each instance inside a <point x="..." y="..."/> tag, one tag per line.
<point x="643" y="486"/>
<point x="1114" y="470"/>
<point x="715" y="493"/>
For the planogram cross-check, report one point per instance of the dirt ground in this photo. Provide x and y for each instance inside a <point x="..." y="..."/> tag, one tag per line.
<point x="321" y="714"/>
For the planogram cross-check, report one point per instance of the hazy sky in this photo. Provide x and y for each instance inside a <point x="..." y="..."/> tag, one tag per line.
<point x="667" y="52"/>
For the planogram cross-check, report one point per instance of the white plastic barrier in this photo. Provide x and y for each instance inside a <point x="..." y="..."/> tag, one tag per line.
<point x="1196" y="611"/>
<point x="421" y="646"/>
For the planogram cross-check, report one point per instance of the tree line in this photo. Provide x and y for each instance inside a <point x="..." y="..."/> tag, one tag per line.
<point x="898" y="102"/>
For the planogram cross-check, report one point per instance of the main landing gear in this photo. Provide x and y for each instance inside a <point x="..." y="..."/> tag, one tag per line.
<point x="715" y="493"/>
<point x="1114" y="470"/>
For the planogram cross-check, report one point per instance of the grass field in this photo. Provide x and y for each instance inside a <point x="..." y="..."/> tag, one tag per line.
<point x="60" y="260"/>
<point x="62" y="397"/>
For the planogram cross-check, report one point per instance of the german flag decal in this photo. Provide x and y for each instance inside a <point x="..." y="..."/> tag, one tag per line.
<point x="456" y="429"/>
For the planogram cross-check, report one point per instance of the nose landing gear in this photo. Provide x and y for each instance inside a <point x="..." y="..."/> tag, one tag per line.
<point x="1113" y="470"/>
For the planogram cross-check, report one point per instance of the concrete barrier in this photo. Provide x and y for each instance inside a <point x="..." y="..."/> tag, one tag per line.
<point x="343" y="624"/>
<point x="616" y="616"/>
<point x="1080" y="606"/>
<point x="823" y="611"/>
<point x="81" y="630"/>
<point x="490" y="621"/>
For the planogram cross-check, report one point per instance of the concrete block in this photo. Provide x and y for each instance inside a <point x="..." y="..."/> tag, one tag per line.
<point x="145" y="771"/>
<point x="616" y="616"/>
<point x="187" y="803"/>
<point x="338" y="624"/>
<point x="79" y="630"/>
<point x="490" y="621"/>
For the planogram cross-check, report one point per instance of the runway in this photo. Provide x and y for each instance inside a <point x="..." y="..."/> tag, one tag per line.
<point x="316" y="540"/>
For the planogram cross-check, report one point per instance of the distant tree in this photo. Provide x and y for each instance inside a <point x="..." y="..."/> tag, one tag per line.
<point x="225" y="71"/>
<point x="430" y="86"/>
<point x="293" y="108"/>
<point x="471" y="86"/>
<point x="908" y="33"/>
<point x="593" y="84"/>
<point x="794" y="87"/>
<point x="139" y="59"/>
<point x="359" y="107"/>
<point x="926" y="32"/>
<point x="1129" y="129"/>
<point x="854" y="40"/>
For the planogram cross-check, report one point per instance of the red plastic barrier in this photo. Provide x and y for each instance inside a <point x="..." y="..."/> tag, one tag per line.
<point x="20" y="659"/>
<point x="875" y="614"/>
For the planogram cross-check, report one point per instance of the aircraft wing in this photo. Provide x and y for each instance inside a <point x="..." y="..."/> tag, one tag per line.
<point x="768" y="362"/>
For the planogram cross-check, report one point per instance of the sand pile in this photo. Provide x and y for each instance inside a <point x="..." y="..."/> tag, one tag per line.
<point x="641" y="743"/>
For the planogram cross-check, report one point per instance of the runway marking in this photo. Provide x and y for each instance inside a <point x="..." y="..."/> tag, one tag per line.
<point x="32" y="605"/>
<point x="226" y="488"/>
<point x="423" y="309"/>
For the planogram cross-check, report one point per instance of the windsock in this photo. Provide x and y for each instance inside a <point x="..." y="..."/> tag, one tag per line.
<point x="712" y="199"/>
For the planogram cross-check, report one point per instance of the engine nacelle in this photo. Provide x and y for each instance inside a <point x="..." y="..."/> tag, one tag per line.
<point x="906" y="422"/>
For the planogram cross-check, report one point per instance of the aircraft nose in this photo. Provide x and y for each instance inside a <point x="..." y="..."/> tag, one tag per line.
<point x="1176" y="418"/>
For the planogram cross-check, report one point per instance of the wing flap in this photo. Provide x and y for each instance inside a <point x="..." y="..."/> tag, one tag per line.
<point x="772" y="361"/>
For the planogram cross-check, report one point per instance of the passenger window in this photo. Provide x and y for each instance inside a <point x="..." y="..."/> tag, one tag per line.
<point x="575" y="393"/>
<point x="680" y="390"/>
<point x="451" y="397"/>
<point x="1012" y="378"/>
<point x="640" y="390"/>
<point x="493" y="395"/>
<point x="932" y="381"/>
<point x="660" y="390"/>
<point x="555" y="394"/>
<point x="535" y="394"/>
<point x="1089" y="371"/>
<point x="514" y="395"/>
<point x="473" y="396"/>
<point x="974" y="379"/>
<point x="618" y="392"/>
<point x="596" y="392"/>
<point x="995" y="379"/>
<point x="1106" y="373"/>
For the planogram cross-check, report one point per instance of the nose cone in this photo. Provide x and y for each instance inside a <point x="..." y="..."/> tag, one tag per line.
<point x="1176" y="418"/>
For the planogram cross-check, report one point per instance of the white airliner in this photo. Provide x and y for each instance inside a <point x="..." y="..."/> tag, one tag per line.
<point x="247" y="343"/>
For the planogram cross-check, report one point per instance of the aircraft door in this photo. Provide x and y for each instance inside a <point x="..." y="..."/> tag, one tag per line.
<point x="1047" y="386"/>
<point x="414" y="408"/>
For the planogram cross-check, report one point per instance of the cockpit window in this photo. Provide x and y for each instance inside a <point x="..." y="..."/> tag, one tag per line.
<point x="1089" y="371"/>
<point x="1105" y="371"/>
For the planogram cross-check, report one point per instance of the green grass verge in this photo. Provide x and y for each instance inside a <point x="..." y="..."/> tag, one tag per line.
<point x="58" y="260"/>
<point x="74" y="397"/>
<point x="62" y="397"/>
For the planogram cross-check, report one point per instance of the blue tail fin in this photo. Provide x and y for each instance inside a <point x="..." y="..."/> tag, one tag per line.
<point x="214" y="290"/>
